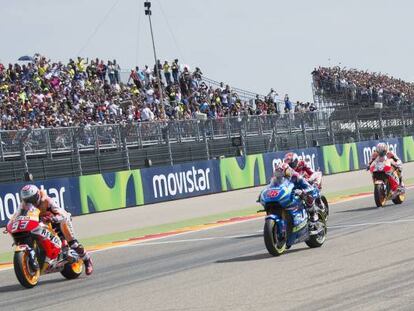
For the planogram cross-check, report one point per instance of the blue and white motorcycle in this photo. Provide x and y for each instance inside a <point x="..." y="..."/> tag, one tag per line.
<point x="287" y="221"/>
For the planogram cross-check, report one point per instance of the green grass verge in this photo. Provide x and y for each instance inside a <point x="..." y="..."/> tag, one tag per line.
<point x="119" y="236"/>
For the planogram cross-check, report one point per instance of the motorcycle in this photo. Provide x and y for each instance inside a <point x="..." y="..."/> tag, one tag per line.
<point x="30" y="250"/>
<point x="382" y="189"/>
<point x="287" y="221"/>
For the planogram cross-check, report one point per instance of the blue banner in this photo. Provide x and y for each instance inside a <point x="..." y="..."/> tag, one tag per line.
<point x="312" y="156"/>
<point x="180" y="181"/>
<point x="366" y="148"/>
<point x="65" y="191"/>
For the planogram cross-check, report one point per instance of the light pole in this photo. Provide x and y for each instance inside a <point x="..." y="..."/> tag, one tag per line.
<point x="148" y="12"/>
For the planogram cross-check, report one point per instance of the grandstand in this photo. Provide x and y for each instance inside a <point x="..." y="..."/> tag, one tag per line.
<point x="351" y="88"/>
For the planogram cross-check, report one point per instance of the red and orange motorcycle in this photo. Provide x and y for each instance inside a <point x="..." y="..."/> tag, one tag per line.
<point x="32" y="250"/>
<point x="380" y="170"/>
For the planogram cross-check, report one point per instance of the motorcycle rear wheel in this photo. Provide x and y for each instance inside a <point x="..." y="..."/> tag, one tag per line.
<point x="399" y="199"/>
<point x="26" y="277"/>
<point x="379" y="195"/>
<point x="318" y="239"/>
<point x="273" y="246"/>
<point x="72" y="270"/>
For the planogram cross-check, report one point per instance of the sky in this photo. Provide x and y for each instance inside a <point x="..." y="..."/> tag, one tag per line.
<point x="253" y="45"/>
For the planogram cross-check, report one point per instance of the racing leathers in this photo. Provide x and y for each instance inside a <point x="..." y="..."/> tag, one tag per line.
<point x="61" y="222"/>
<point x="314" y="178"/>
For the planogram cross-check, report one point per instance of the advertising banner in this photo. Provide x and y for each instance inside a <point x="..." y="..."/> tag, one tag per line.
<point x="180" y="181"/>
<point x="104" y="192"/>
<point x="242" y="172"/>
<point x="340" y="158"/>
<point x="65" y="191"/>
<point x="310" y="155"/>
<point x="408" y="148"/>
<point x="366" y="148"/>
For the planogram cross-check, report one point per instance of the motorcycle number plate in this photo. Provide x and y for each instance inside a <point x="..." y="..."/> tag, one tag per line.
<point x="19" y="225"/>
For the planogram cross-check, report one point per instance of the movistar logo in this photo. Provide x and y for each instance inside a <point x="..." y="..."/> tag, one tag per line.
<point x="340" y="158"/>
<point x="408" y="149"/>
<point x="95" y="193"/>
<point x="237" y="173"/>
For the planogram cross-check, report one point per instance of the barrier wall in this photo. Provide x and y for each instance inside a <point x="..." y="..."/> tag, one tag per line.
<point x="103" y="192"/>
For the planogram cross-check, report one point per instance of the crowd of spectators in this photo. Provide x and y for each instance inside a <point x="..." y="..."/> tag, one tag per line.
<point x="40" y="93"/>
<point x="361" y="87"/>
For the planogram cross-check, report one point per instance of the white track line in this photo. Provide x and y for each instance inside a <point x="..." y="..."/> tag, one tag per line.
<point x="366" y="224"/>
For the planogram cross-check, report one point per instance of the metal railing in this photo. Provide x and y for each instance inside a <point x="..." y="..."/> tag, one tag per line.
<point x="52" y="141"/>
<point x="76" y="151"/>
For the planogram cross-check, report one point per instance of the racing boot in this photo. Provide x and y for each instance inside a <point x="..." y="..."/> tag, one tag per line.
<point x="46" y="265"/>
<point x="75" y="245"/>
<point x="313" y="222"/>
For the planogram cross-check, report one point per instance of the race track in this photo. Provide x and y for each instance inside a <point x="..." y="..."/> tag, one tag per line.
<point x="366" y="264"/>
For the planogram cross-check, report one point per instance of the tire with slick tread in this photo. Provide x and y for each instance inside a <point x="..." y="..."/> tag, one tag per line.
<point x="18" y="262"/>
<point x="379" y="195"/>
<point x="313" y="241"/>
<point x="270" y="239"/>
<point x="326" y="205"/>
<point x="69" y="273"/>
<point x="399" y="199"/>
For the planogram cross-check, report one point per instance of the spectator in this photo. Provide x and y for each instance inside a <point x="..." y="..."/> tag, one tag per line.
<point x="361" y="87"/>
<point x="44" y="94"/>
<point x="175" y="67"/>
<point x="117" y="70"/>
<point x="288" y="104"/>
<point x="167" y="73"/>
<point x="111" y="72"/>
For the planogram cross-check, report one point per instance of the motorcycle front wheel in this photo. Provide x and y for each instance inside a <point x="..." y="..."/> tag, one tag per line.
<point x="379" y="195"/>
<point x="25" y="275"/>
<point x="273" y="246"/>
<point x="324" y="206"/>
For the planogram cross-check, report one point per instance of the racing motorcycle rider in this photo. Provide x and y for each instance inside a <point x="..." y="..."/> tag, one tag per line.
<point x="382" y="150"/>
<point x="301" y="167"/>
<point x="31" y="197"/>
<point x="302" y="188"/>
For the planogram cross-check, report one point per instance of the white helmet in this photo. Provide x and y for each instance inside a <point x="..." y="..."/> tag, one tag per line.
<point x="30" y="194"/>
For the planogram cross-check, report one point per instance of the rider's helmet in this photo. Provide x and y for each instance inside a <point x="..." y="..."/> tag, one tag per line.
<point x="292" y="159"/>
<point x="381" y="149"/>
<point x="30" y="194"/>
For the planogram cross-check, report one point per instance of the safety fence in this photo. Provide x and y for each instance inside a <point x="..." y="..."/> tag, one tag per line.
<point x="54" y="141"/>
<point x="102" y="192"/>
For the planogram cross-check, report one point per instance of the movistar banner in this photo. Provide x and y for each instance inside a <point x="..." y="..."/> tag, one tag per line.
<point x="166" y="183"/>
<point x="408" y="148"/>
<point x="242" y="172"/>
<point x="312" y="156"/>
<point x="103" y="192"/>
<point x="340" y="158"/>
<point x="65" y="191"/>
<point x="366" y="148"/>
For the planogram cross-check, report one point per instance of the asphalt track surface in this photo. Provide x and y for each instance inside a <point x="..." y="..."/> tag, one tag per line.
<point x="365" y="264"/>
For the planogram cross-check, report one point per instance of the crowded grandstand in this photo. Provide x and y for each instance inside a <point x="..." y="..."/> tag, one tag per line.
<point x="42" y="93"/>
